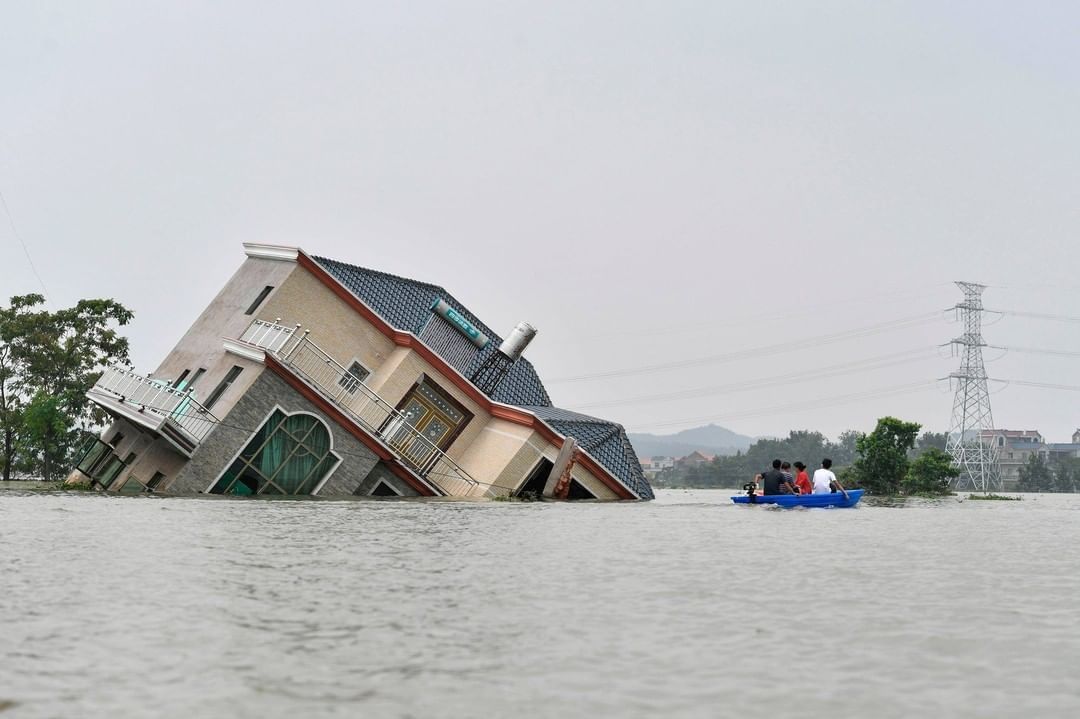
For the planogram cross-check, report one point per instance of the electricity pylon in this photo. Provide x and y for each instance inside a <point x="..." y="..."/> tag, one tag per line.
<point x="970" y="440"/>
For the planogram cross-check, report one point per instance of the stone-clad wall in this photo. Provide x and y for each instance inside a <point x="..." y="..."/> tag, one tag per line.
<point x="226" y="440"/>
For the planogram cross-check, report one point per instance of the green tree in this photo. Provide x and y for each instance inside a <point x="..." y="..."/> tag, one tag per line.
<point x="1067" y="475"/>
<point x="844" y="451"/>
<point x="931" y="440"/>
<point x="1035" y="475"/>
<point x="10" y="409"/>
<point x="883" y="456"/>
<point x="930" y="473"/>
<point x="52" y="359"/>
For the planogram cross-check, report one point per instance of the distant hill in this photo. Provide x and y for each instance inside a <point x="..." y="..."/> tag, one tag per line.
<point x="711" y="439"/>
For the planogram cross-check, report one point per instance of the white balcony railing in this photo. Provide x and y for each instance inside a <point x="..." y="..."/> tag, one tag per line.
<point x="175" y="406"/>
<point x="267" y="335"/>
<point x="369" y="410"/>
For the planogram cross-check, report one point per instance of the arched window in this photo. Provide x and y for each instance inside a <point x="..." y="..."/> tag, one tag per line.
<point x="290" y="454"/>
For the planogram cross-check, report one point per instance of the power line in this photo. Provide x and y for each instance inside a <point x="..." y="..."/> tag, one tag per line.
<point x="898" y="324"/>
<point x="26" y="251"/>
<point x="1037" y="350"/>
<point x="821" y="403"/>
<point x="1036" y="315"/>
<point x="1039" y="385"/>
<point x="887" y="298"/>
<point x="865" y="365"/>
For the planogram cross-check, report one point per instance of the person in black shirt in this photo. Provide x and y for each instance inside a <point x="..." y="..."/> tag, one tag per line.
<point x="775" y="482"/>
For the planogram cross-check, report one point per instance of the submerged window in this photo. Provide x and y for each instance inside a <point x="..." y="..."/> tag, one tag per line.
<point x="223" y="385"/>
<point x="290" y="454"/>
<point x="132" y="486"/>
<point x="155" y="481"/>
<point x="382" y="489"/>
<point x="95" y="453"/>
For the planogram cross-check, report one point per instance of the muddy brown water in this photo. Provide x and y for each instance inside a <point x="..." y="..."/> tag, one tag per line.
<point x="683" y="607"/>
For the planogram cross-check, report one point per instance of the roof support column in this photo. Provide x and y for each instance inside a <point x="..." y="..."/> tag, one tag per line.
<point x="558" y="481"/>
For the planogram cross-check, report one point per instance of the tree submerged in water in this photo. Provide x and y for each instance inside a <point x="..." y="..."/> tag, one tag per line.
<point x="889" y="463"/>
<point x="931" y="473"/>
<point x="48" y="361"/>
<point x="883" y="456"/>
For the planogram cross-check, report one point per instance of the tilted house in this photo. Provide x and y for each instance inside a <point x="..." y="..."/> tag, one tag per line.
<point x="309" y="376"/>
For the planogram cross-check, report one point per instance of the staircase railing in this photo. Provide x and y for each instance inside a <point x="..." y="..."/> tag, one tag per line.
<point x="374" y="414"/>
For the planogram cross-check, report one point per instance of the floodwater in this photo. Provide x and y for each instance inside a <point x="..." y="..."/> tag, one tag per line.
<point x="683" y="607"/>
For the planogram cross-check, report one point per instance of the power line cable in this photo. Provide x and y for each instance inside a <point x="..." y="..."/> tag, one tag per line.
<point x="26" y="250"/>
<point x="808" y="405"/>
<point x="902" y="323"/>
<point x="865" y="365"/>
<point x="886" y="298"/>
<point x="1036" y="315"/>
<point x="1037" y="350"/>
<point x="1039" y="385"/>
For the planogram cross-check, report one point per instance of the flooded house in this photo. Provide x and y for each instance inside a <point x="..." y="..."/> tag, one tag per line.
<point x="311" y="376"/>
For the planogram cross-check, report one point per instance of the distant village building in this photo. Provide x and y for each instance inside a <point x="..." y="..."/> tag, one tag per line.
<point x="310" y="376"/>
<point x="655" y="465"/>
<point x="1015" y="448"/>
<point x="694" y="459"/>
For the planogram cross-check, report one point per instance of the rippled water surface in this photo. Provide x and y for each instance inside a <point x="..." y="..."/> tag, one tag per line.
<point x="686" y="606"/>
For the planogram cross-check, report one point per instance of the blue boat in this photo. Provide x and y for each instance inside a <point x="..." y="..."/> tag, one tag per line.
<point x="833" y="499"/>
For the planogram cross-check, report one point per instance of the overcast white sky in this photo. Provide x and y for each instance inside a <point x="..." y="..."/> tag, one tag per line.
<point x="644" y="182"/>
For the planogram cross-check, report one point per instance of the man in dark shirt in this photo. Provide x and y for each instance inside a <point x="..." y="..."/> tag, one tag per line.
<point x="775" y="482"/>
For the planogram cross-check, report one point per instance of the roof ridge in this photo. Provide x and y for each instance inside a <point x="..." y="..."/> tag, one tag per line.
<point x="381" y="273"/>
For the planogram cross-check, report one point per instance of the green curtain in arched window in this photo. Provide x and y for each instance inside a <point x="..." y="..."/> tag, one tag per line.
<point x="289" y="454"/>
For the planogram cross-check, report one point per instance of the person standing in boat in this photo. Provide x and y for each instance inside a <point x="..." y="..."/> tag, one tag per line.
<point x="802" y="480"/>
<point x="825" y="482"/>
<point x="775" y="482"/>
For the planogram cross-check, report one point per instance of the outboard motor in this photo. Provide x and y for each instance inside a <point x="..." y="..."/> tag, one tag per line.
<point x="751" y="491"/>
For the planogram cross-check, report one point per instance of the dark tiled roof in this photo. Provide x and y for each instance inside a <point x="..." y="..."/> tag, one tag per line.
<point x="604" y="440"/>
<point x="406" y="305"/>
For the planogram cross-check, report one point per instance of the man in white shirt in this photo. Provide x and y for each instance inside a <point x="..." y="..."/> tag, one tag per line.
<point x="824" y="479"/>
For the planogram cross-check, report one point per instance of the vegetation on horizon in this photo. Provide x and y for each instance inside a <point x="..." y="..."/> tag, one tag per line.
<point x="1038" y="475"/>
<point x="48" y="361"/>
<point x="891" y="460"/>
<point x="994" y="497"/>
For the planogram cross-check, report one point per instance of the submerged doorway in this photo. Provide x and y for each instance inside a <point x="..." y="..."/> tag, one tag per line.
<point x="533" y="486"/>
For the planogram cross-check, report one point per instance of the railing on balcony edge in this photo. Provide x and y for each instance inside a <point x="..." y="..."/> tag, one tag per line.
<point x="271" y="336"/>
<point x="177" y="406"/>
<point x="372" y="412"/>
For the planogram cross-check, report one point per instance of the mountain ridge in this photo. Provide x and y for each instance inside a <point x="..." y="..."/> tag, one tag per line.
<point x="709" y="439"/>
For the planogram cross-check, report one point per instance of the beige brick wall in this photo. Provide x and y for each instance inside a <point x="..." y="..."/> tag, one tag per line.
<point x="334" y="325"/>
<point x="345" y="335"/>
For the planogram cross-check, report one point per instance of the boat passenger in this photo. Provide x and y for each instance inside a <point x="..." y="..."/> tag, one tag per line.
<point x="802" y="479"/>
<point x="775" y="482"/>
<point x="825" y="482"/>
<point x="785" y="469"/>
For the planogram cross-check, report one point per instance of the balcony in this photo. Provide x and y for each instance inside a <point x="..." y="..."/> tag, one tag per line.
<point x="378" y="418"/>
<point x="173" y="414"/>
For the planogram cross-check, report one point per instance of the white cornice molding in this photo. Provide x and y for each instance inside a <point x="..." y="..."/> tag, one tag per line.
<point x="271" y="252"/>
<point x="243" y="349"/>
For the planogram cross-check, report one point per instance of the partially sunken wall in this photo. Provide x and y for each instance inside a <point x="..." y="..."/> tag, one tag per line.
<point x="222" y="445"/>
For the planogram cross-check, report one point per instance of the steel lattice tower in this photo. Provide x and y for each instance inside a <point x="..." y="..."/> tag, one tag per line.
<point x="970" y="442"/>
